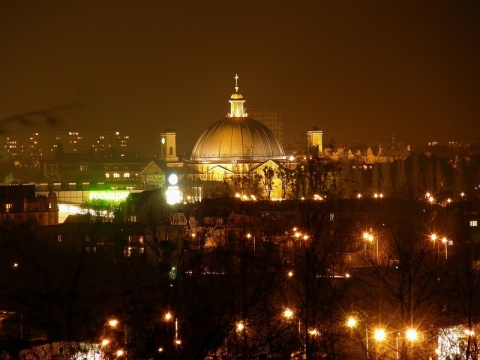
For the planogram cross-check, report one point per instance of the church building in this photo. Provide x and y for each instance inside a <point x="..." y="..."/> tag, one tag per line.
<point x="242" y="152"/>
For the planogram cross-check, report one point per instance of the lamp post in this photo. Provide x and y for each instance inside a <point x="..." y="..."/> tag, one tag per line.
<point x="445" y="241"/>
<point x="352" y="324"/>
<point x="249" y="236"/>
<point x="411" y="335"/>
<point x="380" y="335"/>
<point x="368" y="236"/>
<point x="289" y="315"/>
<point x="433" y="237"/>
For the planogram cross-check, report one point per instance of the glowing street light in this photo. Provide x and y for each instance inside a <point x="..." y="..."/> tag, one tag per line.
<point x="249" y="236"/>
<point x="368" y="236"/>
<point x="411" y="335"/>
<point x="351" y="322"/>
<point x="287" y="313"/>
<point x="380" y="334"/>
<point x="433" y="237"/>
<point x="240" y="326"/>
<point x="445" y="241"/>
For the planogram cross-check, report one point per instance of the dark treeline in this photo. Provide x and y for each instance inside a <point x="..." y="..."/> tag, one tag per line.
<point x="286" y="290"/>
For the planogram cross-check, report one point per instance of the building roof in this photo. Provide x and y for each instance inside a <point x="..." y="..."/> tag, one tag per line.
<point x="237" y="138"/>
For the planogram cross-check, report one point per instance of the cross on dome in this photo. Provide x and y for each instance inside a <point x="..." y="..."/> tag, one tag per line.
<point x="236" y="102"/>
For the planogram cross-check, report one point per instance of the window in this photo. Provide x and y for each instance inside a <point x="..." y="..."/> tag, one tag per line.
<point x="126" y="175"/>
<point x="8" y="207"/>
<point x="116" y="175"/>
<point x="473" y="223"/>
<point x="107" y="175"/>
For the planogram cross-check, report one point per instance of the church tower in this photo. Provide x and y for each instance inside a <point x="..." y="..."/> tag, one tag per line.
<point x="168" y="146"/>
<point x="315" y="142"/>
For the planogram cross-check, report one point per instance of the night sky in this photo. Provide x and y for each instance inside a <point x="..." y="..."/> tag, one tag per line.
<point x="359" y="70"/>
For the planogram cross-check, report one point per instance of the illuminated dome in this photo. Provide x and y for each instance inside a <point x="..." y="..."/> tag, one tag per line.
<point x="237" y="138"/>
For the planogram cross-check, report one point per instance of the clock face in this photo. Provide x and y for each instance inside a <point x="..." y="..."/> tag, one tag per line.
<point x="163" y="140"/>
<point x="173" y="179"/>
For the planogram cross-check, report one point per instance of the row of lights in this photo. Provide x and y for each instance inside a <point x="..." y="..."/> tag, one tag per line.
<point x="380" y="334"/>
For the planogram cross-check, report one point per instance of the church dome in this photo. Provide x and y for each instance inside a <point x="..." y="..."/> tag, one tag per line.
<point x="237" y="139"/>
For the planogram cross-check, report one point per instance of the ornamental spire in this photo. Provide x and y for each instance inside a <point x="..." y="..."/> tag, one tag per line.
<point x="236" y="102"/>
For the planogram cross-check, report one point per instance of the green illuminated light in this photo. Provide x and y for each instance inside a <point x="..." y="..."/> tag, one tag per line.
<point x="115" y="196"/>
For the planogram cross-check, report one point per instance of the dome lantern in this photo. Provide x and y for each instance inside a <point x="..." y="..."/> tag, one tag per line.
<point x="236" y="102"/>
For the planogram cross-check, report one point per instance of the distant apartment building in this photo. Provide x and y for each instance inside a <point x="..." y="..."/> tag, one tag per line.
<point x="270" y="118"/>
<point x="47" y="145"/>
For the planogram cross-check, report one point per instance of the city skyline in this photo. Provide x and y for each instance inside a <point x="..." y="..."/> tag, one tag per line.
<point x="359" y="72"/>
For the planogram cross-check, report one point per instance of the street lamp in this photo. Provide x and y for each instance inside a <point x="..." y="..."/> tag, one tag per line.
<point x="113" y="323"/>
<point x="433" y="237"/>
<point x="380" y="334"/>
<point x="411" y="335"/>
<point x="351" y="322"/>
<point x="240" y="326"/>
<point x="287" y="313"/>
<point x="445" y="241"/>
<point x="368" y="236"/>
<point x="249" y="236"/>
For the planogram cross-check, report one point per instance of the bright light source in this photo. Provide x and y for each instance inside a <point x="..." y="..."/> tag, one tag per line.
<point x="411" y="334"/>
<point x="240" y="326"/>
<point x="288" y="313"/>
<point x="351" y="322"/>
<point x="380" y="334"/>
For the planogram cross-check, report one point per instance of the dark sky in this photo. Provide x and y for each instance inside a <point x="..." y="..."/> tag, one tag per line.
<point x="359" y="70"/>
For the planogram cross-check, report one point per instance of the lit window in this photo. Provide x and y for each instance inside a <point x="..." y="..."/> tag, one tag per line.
<point x="8" y="207"/>
<point x="473" y="223"/>
<point x="107" y="175"/>
<point x="126" y="175"/>
<point x="116" y="175"/>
